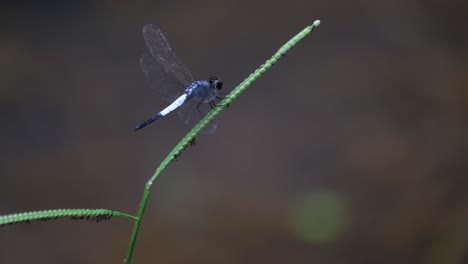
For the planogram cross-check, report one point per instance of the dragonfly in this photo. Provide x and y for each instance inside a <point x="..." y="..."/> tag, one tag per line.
<point x="167" y="74"/>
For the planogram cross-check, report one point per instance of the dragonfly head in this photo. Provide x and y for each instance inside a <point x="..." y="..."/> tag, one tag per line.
<point x="216" y="83"/>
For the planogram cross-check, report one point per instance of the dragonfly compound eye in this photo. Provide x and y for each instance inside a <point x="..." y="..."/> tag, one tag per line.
<point x="219" y="84"/>
<point x="216" y="82"/>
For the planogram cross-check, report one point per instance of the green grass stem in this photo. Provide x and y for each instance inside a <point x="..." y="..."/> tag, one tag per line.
<point x="212" y="114"/>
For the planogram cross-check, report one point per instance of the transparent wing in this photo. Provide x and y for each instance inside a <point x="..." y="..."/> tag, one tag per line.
<point x="193" y="111"/>
<point x="162" y="53"/>
<point x="167" y="85"/>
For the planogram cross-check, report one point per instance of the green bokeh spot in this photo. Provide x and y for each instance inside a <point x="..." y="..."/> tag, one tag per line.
<point x="319" y="216"/>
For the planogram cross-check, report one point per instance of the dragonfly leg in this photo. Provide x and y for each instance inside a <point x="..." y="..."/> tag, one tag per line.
<point x="212" y="104"/>
<point x="198" y="106"/>
<point x="221" y="98"/>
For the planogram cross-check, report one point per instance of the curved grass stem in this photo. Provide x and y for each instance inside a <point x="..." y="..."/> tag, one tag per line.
<point x="212" y="114"/>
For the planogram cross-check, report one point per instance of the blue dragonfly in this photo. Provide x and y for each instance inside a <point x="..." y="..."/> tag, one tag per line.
<point x="167" y="74"/>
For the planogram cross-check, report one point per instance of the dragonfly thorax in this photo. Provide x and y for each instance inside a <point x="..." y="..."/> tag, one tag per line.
<point x="204" y="90"/>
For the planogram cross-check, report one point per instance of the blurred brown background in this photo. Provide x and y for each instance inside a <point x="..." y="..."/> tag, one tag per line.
<point x="352" y="149"/>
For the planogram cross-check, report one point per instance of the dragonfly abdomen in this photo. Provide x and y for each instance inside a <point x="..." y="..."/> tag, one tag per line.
<point x="149" y="121"/>
<point x="177" y="103"/>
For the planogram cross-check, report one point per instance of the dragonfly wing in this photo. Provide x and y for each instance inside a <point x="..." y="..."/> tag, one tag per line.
<point x="193" y="111"/>
<point x="161" y="51"/>
<point x="167" y="85"/>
